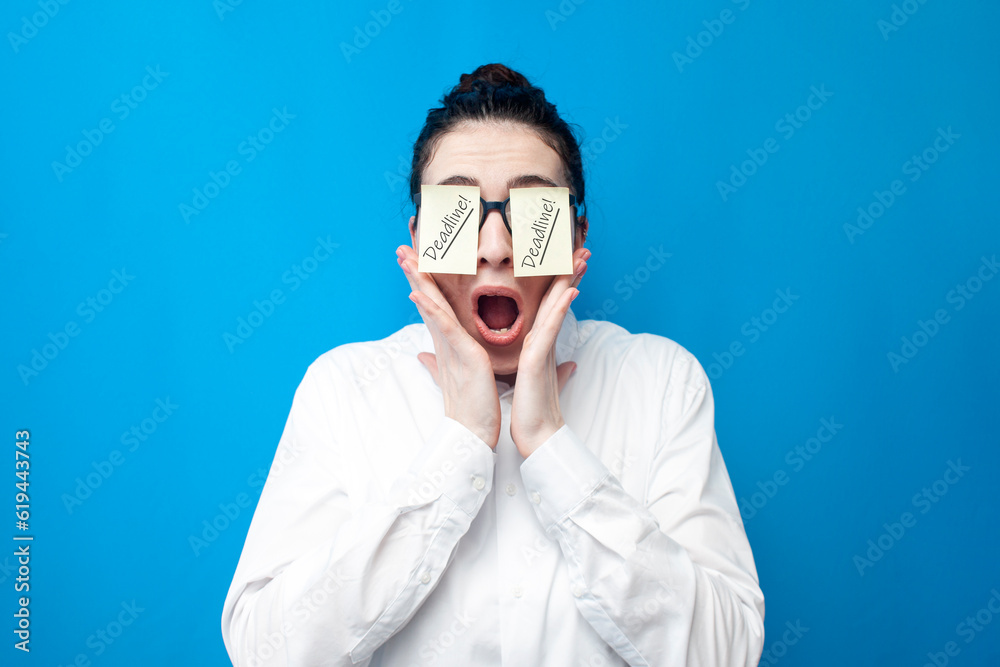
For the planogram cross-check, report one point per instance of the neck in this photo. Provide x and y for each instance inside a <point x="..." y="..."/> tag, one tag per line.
<point x="509" y="379"/>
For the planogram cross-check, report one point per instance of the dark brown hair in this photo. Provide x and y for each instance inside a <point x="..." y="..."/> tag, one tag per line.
<point x="495" y="92"/>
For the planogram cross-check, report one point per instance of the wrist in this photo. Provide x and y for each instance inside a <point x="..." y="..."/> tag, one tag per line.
<point x="527" y="444"/>
<point x="488" y="433"/>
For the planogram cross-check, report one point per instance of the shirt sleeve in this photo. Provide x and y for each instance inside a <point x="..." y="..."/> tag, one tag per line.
<point x="324" y="578"/>
<point x="670" y="579"/>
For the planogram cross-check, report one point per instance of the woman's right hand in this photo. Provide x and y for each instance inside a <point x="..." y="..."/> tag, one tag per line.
<point x="461" y="367"/>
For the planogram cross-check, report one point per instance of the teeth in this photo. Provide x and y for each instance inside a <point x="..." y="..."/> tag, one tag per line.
<point x="500" y="331"/>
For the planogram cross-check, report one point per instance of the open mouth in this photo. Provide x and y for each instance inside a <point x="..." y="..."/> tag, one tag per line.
<point x="498" y="312"/>
<point x="498" y="315"/>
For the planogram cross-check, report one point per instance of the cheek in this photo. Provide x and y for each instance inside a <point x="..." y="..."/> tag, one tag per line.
<point x="451" y="291"/>
<point x="535" y="290"/>
<point x="542" y="285"/>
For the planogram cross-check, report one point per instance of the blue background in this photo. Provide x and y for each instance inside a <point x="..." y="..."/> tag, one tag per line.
<point x="673" y="129"/>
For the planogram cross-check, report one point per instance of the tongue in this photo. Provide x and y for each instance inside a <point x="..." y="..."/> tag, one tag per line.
<point x="498" y="312"/>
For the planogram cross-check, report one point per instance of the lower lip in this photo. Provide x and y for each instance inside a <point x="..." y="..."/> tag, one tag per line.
<point x="498" y="339"/>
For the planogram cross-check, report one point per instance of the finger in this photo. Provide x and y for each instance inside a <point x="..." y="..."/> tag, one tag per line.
<point x="544" y="333"/>
<point x="558" y="289"/>
<point x="424" y="282"/>
<point x="452" y="331"/>
<point x="444" y="347"/>
<point x="432" y="326"/>
<point x="551" y="298"/>
<point x="579" y="266"/>
<point x="563" y="283"/>
<point x="582" y="269"/>
<point x="563" y="373"/>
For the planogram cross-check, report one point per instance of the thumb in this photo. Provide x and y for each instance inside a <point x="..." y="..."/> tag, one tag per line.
<point x="563" y="373"/>
<point x="430" y="361"/>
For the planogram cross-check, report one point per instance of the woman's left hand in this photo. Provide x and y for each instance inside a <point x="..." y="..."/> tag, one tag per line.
<point x="534" y="412"/>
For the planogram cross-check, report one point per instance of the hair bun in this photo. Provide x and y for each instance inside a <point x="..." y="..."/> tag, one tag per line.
<point x="493" y="75"/>
<point x="496" y="93"/>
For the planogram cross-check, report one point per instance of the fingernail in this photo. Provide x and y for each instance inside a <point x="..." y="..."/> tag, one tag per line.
<point x="575" y="295"/>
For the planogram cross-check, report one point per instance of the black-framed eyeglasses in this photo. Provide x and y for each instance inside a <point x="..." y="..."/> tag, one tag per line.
<point x="503" y="207"/>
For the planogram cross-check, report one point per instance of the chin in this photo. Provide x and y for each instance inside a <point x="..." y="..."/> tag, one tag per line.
<point x="505" y="363"/>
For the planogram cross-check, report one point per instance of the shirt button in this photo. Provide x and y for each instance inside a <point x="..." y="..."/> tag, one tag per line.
<point x="478" y="483"/>
<point x="426" y="578"/>
<point x="577" y="590"/>
<point x="511" y="489"/>
<point x="535" y="498"/>
<point x="517" y="591"/>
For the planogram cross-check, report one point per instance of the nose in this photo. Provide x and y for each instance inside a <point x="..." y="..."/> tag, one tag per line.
<point x="495" y="247"/>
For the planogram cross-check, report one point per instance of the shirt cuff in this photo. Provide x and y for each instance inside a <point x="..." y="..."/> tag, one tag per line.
<point x="453" y="462"/>
<point x="560" y="475"/>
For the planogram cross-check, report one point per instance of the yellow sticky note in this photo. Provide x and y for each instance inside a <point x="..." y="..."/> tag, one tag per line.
<point x="542" y="227"/>
<point x="448" y="230"/>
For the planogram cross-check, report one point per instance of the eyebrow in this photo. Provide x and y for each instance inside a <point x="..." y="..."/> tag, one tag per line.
<point x="526" y="180"/>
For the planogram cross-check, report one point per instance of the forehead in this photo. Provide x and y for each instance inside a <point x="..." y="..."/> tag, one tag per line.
<point x="494" y="156"/>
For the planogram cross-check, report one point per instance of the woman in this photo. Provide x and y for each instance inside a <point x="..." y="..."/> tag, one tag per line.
<point x="502" y="484"/>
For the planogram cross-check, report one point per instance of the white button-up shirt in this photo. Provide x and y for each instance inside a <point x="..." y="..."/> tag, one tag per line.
<point x="390" y="535"/>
